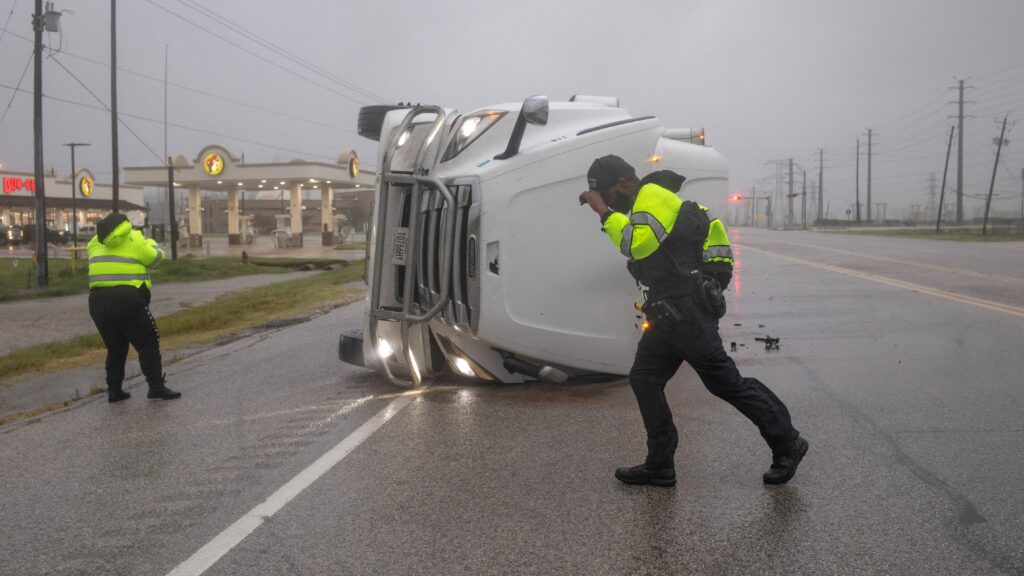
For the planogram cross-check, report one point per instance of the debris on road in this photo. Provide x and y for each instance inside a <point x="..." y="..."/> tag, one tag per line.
<point x="769" y="342"/>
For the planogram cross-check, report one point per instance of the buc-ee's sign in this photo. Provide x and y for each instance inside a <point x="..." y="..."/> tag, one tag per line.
<point x="12" y="185"/>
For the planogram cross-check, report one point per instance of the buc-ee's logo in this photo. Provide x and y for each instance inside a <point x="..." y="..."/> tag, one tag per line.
<point x="85" y="186"/>
<point x="12" y="185"/>
<point x="213" y="164"/>
<point x="353" y="167"/>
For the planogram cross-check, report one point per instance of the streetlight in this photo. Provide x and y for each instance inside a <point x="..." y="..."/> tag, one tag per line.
<point x="74" y="208"/>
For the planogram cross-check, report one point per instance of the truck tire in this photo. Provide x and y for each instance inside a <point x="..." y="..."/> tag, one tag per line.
<point x="371" y="119"/>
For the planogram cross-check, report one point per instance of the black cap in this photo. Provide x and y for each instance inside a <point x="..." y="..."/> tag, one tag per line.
<point x="108" y="224"/>
<point x="606" y="170"/>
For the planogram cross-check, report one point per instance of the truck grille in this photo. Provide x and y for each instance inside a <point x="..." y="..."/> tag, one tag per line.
<point x="433" y="215"/>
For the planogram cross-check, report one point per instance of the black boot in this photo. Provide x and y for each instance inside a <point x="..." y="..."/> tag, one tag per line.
<point x="785" y="459"/>
<point x="116" y="394"/>
<point x="159" y="391"/>
<point x="661" y="476"/>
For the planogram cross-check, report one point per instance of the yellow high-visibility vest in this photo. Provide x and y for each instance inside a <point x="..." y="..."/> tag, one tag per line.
<point x="124" y="258"/>
<point x="650" y="221"/>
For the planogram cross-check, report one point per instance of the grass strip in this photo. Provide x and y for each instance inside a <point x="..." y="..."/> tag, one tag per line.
<point x="229" y="314"/>
<point x="17" y="275"/>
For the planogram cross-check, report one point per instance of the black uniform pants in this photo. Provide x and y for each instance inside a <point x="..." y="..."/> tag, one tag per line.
<point x="121" y="314"/>
<point x="695" y="340"/>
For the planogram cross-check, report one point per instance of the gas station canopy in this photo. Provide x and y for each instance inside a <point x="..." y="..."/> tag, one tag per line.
<point x="216" y="169"/>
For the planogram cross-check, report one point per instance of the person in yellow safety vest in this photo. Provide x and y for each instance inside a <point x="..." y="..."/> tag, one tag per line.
<point x="120" y="259"/>
<point x="674" y="250"/>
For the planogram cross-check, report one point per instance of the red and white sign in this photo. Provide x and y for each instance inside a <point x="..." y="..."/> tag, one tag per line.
<point x="12" y="185"/>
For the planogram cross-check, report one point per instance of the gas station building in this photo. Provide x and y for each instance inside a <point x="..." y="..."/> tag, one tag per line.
<point x="215" y="169"/>
<point x="90" y="200"/>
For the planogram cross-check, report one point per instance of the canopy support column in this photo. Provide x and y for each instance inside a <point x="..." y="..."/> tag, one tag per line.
<point x="195" y="217"/>
<point x="234" y="237"/>
<point x="296" y="213"/>
<point x="327" y="214"/>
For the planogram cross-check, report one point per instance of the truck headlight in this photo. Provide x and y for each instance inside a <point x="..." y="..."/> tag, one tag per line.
<point x="469" y="128"/>
<point x="462" y="365"/>
<point x="384" y="349"/>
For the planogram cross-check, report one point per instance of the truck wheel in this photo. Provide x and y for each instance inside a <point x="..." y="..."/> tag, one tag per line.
<point x="371" y="119"/>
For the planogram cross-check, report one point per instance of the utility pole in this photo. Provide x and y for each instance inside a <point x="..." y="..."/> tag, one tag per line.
<point x="173" y="218"/>
<point x="858" y="180"/>
<point x="170" y="183"/>
<point x="753" y="204"/>
<point x="869" y="175"/>
<point x="803" y="202"/>
<point x="930" y="203"/>
<point x="42" y="263"/>
<point x="790" y="214"/>
<point x="74" y="209"/>
<point x="945" y="170"/>
<point x="960" y="158"/>
<point x="992" y="185"/>
<point x="115" y="185"/>
<point x="821" y="181"/>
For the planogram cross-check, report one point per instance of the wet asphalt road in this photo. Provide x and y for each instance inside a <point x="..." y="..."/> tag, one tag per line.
<point x="900" y="360"/>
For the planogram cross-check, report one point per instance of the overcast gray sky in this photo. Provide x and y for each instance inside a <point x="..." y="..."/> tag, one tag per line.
<point x="768" y="80"/>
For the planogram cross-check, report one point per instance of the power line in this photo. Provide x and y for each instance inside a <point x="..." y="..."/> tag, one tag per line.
<point x="20" y="79"/>
<point x="255" y="55"/>
<point x="3" y="31"/>
<point x="198" y="91"/>
<point x="180" y="126"/>
<point x="191" y="4"/>
<point x="121" y="122"/>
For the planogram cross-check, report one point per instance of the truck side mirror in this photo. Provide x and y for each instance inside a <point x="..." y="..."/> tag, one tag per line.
<point x="534" y="111"/>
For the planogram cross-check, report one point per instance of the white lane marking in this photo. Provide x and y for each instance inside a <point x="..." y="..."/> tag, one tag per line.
<point x="963" y="299"/>
<point x="221" y="544"/>
<point x="925" y="265"/>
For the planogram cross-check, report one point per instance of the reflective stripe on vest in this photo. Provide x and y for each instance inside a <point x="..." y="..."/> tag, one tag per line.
<point x="115" y="259"/>
<point x="627" y="241"/>
<point x="159" y="257"/>
<point x="117" y="277"/>
<point x="718" y="252"/>
<point x="648" y="219"/>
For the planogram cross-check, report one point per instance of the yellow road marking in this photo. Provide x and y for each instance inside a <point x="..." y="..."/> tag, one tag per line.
<point x="935" y="267"/>
<point x="981" y="303"/>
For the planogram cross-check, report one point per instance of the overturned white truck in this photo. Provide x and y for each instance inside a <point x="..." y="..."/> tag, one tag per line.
<point x="479" y="256"/>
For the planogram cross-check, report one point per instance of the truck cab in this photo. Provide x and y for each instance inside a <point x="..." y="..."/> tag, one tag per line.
<point x="480" y="258"/>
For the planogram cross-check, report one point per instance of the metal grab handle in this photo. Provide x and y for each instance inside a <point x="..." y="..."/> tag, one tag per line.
<point x="413" y="247"/>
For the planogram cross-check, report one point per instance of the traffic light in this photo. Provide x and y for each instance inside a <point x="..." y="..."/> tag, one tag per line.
<point x="735" y="197"/>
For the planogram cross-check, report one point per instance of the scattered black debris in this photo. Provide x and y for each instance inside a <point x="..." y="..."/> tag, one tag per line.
<point x="732" y="346"/>
<point x="760" y="325"/>
<point x="769" y="342"/>
<point x="737" y="324"/>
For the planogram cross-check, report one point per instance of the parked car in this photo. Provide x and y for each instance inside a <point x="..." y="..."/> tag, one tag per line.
<point x="53" y="236"/>
<point x="86" y="232"/>
<point x="11" y="235"/>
